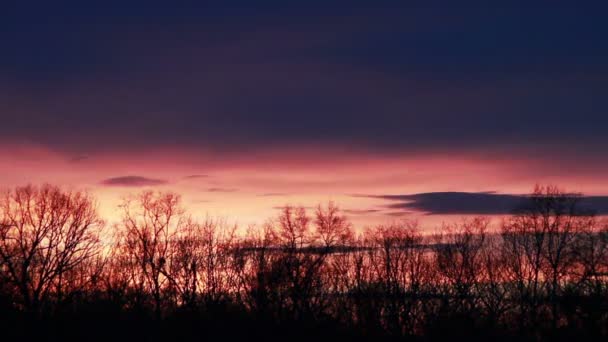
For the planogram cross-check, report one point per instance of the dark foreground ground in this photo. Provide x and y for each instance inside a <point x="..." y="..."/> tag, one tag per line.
<point x="97" y="323"/>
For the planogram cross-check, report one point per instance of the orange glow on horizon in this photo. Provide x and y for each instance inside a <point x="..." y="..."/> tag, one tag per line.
<point x="246" y="189"/>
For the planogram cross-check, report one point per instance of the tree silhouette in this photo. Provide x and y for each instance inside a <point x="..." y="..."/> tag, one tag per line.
<point x="44" y="234"/>
<point x="150" y="222"/>
<point x="541" y="274"/>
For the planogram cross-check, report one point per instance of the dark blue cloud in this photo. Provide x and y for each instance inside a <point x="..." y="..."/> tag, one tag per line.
<point x="133" y="181"/>
<point x="478" y="203"/>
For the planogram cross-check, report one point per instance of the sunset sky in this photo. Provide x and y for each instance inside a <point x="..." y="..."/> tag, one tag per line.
<point x="391" y="111"/>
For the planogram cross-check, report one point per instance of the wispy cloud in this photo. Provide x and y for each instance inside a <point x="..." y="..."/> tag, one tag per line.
<point x="274" y="194"/>
<point x="78" y="158"/>
<point x="222" y="190"/>
<point x="133" y="181"/>
<point x="281" y="207"/>
<point x="360" y="211"/>
<point x="398" y="213"/>
<point x="196" y="176"/>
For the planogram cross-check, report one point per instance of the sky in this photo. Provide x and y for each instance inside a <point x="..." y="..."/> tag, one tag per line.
<point x="392" y="109"/>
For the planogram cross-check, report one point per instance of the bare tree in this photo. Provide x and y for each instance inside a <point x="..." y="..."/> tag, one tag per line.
<point x="150" y="222"/>
<point x="332" y="228"/>
<point x="544" y="270"/>
<point x="397" y="264"/>
<point x="459" y="261"/>
<point x="493" y="286"/>
<point x="45" y="232"/>
<point x="541" y="239"/>
<point x="186" y="263"/>
<point x="254" y="259"/>
<point x="201" y="261"/>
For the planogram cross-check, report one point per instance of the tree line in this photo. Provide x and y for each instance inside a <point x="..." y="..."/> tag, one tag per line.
<point x="161" y="273"/>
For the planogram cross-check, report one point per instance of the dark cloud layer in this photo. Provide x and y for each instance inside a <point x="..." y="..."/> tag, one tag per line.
<point x="133" y="181"/>
<point x="388" y="77"/>
<point x="476" y="203"/>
